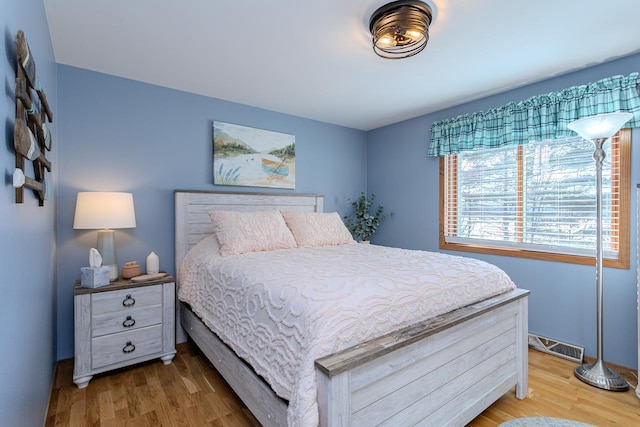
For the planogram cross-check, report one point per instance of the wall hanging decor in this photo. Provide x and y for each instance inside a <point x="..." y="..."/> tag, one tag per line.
<point x="252" y="157"/>
<point x="31" y="137"/>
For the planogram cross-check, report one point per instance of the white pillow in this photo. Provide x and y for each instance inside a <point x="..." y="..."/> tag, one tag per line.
<point x="242" y="232"/>
<point x="317" y="229"/>
<point x="209" y="245"/>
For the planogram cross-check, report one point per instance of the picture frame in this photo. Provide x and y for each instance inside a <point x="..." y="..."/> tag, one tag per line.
<point x="251" y="157"/>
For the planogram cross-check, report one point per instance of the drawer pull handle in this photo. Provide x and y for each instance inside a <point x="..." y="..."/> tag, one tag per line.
<point x="129" y="322"/>
<point x="128" y="301"/>
<point x="128" y="348"/>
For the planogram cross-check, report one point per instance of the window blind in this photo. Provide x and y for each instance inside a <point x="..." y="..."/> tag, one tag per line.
<point x="539" y="196"/>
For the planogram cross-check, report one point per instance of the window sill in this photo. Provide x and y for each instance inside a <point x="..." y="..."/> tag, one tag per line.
<point x="544" y="256"/>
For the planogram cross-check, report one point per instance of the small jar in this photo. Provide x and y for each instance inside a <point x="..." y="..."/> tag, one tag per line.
<point x="130" y="269"/>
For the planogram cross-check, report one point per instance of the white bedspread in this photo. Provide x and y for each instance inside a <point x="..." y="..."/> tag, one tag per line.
<point x="281" y="310"/>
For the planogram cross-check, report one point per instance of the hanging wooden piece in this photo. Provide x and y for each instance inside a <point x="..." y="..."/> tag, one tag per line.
<point x="23" y="95"/>
<point x="41" y="188"/>
<point x="28" y="65"/>
<point x="31" y="136"/>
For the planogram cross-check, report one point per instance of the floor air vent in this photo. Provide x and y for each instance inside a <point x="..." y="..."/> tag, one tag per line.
<point x="557" y="348"/>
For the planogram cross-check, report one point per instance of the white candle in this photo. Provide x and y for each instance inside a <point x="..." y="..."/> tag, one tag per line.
<point x="153" y="263"/>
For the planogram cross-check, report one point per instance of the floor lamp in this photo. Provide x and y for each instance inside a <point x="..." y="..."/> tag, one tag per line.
<point x="598" y="129"/>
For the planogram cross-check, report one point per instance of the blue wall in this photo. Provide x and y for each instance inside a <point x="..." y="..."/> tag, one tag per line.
<point x="27" y="239"/>
<point x="563" y="296"/>
<point x="123" y="135"/>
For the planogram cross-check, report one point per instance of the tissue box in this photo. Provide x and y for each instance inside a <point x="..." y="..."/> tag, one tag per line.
<point x="94" y="277"/>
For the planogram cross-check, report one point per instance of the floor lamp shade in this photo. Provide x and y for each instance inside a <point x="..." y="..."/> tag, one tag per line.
<point x="105" y="211"/>
<point x="598" y="129"/>
<point x="600" y="126"/>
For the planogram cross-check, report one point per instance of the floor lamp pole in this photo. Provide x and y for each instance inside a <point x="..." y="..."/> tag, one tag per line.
<point x="598" y="374"/>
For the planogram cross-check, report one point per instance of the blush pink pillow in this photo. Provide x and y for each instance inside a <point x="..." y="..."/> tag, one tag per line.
<point x="317" y="229"/>
<point x="242" y="232"/>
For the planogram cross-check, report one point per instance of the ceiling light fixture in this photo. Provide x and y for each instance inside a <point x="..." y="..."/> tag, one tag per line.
<point x="400" y="29"/>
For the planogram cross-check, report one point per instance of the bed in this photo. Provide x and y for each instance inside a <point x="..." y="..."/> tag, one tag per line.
<point x="443" y="369"/>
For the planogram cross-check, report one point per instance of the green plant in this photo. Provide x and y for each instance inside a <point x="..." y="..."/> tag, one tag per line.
<point x="363" y="221"/>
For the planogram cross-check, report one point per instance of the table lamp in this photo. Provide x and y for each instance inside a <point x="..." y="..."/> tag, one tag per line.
<point x="105" y="211"/>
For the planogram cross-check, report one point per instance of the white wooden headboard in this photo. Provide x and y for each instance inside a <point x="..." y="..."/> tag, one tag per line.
<point x="192" y="222"/>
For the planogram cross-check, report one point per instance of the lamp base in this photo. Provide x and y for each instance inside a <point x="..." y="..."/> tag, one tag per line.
<point x="106" y="245"/>
<point x="598" y="375"/>
<point x="113" y="271"/>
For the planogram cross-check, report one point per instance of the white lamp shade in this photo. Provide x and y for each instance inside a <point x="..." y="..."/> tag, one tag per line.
<point x="599" y="126"/>
<point x="101" y="210"/>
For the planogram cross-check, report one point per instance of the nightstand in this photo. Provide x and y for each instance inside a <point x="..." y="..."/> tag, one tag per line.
<point x="121" y="324"/>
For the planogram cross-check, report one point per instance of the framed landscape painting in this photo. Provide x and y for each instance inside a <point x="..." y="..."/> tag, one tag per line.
<point x="253" y="157"/>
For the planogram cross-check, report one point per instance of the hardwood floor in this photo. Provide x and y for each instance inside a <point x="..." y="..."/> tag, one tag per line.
<point x="554" y="391"/>
<point x="189" y="392"/>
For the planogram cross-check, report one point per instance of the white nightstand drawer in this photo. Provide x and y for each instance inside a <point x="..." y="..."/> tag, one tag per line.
<point x="125" y="320"/>
<point x="115" y="348"/>
<point x="125" y="299"/>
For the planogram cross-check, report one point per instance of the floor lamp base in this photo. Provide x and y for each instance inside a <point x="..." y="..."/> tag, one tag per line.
<point x="598" y="375"/>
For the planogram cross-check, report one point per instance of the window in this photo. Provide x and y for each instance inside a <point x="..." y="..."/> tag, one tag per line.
<point x="537" y="201"/>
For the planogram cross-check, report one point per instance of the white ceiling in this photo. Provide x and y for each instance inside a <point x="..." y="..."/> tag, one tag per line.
<point x="314" y="59"/>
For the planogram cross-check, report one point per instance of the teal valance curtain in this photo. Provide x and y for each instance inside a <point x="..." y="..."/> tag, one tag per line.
<point x="536" y="119"/>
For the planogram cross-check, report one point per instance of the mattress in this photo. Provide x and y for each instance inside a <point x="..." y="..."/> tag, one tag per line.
<point x="281" y="310"/>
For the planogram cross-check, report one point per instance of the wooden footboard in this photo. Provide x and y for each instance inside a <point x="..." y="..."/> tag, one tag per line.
<point x="444" y="371"/>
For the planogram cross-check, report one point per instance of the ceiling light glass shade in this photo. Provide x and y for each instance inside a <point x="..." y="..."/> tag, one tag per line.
<point x="101" y="210"/>
<point x="601" y="126"/>
<point x="400" y="29"/>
